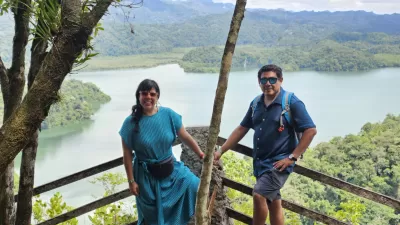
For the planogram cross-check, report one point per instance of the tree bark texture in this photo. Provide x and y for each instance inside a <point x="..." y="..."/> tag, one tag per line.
<point x="3" y="73"/>
<point x="26" y="181"/>
<point x="72" y="38"/>
<point x="202" y="217"/>
<point x="27" y="170"/>
<point x="12" y="86"/>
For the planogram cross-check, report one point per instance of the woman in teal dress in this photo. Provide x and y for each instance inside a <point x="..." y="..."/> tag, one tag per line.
<point x="165" y="188"/>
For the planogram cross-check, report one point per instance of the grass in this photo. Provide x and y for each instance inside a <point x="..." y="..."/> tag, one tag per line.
<point x="135" y="61"/>
<point x="390" y="60"/>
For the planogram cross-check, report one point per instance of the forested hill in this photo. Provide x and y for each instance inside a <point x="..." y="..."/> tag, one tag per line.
<point x="266" y="28"/>
<point x="341" y="51"/>
<point x="78" y="102"/>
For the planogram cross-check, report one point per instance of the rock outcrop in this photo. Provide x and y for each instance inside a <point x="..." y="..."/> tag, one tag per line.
<point x="191" y="160"/>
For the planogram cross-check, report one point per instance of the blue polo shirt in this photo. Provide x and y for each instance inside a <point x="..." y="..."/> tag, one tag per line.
<point x="270" y="145"/>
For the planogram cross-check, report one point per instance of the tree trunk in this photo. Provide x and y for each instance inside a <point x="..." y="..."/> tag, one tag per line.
<point x="6" y="204"/>
<point x="26" y="181"/>
<point x="70" y="41"/>
<point x="7" y="213"/>
<point x="12" y="85"/>
<point x="203" y="193"/>
<point x="27" y="171"/>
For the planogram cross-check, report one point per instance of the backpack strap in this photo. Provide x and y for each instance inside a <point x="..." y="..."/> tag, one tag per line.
<point x="286" y="106"/>
<point x="254" y="104"/>
<point x="287" y="96"/>
<point x="288" y="115"/>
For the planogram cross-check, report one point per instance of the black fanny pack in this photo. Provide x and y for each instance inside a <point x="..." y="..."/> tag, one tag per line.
<point x="163" y="169"/>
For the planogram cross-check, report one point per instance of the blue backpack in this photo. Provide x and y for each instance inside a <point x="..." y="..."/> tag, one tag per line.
<point x="285" y="112"/>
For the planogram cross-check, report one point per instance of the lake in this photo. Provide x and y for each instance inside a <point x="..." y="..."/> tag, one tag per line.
<point x="339" y="103"/>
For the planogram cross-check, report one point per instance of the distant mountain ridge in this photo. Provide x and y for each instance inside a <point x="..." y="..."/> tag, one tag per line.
<point x="162" y="25"/>
<point x="167" y="11"/>
<point x="352" y="21"/>
<point x="259" y="27"/>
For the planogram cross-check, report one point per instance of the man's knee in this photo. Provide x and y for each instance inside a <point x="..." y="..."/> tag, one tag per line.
<point x="275" y="205"/>
<point x="259" y="200"/>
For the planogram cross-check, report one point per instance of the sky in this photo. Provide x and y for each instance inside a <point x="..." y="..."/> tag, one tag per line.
<point x="376" y="6"/>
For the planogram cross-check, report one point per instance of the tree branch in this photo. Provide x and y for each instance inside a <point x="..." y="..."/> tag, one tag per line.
<point x="21" y="19"/>
<point x="26" y="181"/>
<point x="16" y="72"/>
<point x="68" y="44"/>
<point x="70" y="13"/>
<point x="12" y="95"/>
<point x="38" y="53"/>
<point x="3" y="79"/>
<point x="27" y="169"/>
<point x="92" y="18"/>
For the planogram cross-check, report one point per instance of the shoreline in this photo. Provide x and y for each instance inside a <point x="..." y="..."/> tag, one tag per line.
<point x="175" y="56"/>
<point x="113" y="60"/>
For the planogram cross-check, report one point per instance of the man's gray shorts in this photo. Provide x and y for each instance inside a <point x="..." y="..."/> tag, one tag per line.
<point x="270" y="183"/>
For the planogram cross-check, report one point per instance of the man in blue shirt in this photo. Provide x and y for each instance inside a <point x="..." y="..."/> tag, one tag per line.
<point x="276" y="148"/>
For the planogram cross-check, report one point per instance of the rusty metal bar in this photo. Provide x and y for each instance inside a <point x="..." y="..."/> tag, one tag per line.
<point x="286" y="204"/>
<point x="87" y="208"/>
<point x="334" y="182"/>
<point x="239" y="216"/>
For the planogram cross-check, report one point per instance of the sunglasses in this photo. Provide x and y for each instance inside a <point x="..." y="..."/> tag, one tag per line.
<point x="272" y="80"/>
<point x="146" y="93"/>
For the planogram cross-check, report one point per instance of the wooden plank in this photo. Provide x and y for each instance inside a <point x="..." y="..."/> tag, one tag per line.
<point x="334" y="182"/>
<point x="286" y="204"/>
<point x="239" y="216"/>
<point x="238" y="148"/>
<point x="237" y="186"/>
<point x="87" y="208"/>
<point x="75" y="177"/>
<point x="357" y="190"/>
<point x="79" y="176"/>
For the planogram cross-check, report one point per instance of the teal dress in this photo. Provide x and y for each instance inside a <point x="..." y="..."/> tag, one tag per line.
<point x="170" y="201"/>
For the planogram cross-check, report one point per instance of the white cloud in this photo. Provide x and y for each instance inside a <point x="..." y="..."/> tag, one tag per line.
<point x="376" y="6"/>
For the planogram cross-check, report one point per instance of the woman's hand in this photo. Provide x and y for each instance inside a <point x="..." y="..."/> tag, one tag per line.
<point x="201" y="155"/>
<point x="134" y="188"/>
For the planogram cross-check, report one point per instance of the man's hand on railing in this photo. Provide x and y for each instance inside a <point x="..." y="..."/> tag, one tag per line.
<point x="217" y="157"/>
